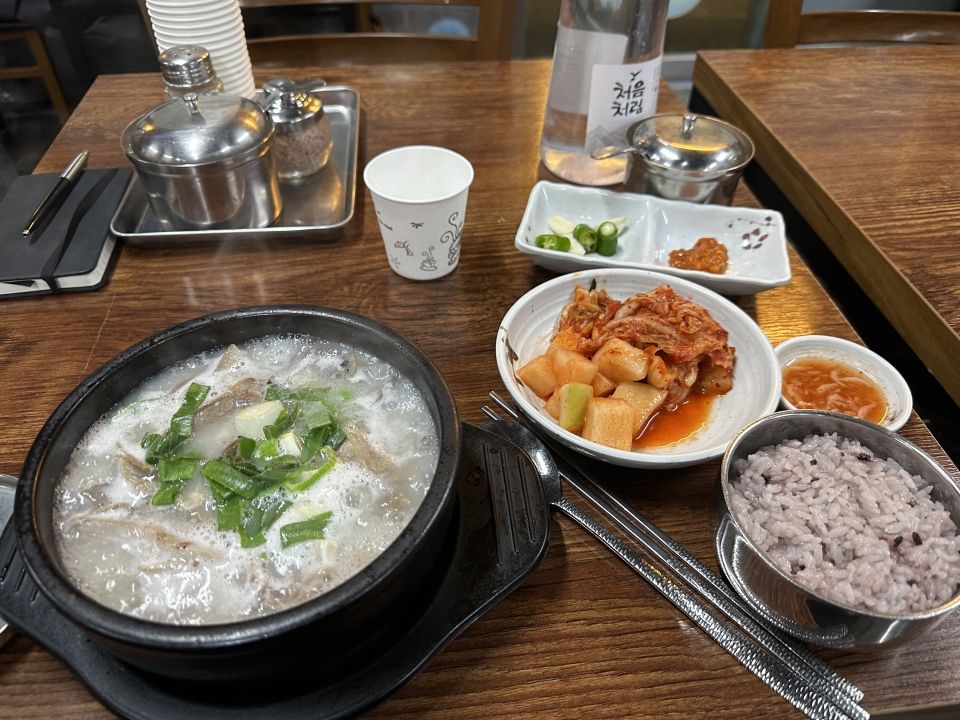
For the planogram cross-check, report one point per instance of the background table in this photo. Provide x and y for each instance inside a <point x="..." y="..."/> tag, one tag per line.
<point x="583" y="637"/>
<point x="861" y="141"/>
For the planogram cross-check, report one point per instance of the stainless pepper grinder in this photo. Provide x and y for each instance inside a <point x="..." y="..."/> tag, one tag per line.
<point x="303" y="138"/>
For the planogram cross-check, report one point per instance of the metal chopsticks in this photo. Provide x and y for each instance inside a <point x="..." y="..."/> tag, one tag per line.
<point x="807" y="668"/>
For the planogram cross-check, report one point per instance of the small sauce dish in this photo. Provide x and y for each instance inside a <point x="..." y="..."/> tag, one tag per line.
<point x="892" y="386"/>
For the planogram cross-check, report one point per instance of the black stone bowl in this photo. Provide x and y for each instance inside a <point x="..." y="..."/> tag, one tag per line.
<point x="336" y="628"/>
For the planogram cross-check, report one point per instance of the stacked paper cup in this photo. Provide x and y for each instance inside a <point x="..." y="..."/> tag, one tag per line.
<point x="214" y="24"/>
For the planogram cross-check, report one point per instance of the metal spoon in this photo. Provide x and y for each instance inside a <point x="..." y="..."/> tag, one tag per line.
<point x="762" y="663"/>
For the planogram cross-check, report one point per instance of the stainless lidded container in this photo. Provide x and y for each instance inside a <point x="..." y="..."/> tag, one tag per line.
<point x="186" y="69"/>
<point x="205" y="163"/>
<point x="303" y="139"/>
<point x="697" y="158"/>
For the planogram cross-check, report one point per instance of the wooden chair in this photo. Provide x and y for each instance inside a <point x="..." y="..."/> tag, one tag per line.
<point x="787" y="26"/>
<point x="41" y="67"/>
<point x="493" y="40"/>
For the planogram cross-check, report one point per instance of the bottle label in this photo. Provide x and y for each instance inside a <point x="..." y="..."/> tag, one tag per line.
<point x="620" y="95"/>
<point x="576" y="53"/>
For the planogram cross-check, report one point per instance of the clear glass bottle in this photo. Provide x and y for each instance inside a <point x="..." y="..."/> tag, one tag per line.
<point x="188" y="69"/>
<point x="606" y="76"/>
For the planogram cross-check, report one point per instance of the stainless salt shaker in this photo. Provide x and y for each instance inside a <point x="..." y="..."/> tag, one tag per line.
<point x="188" y="69"/>
<point x="303" y="139"/>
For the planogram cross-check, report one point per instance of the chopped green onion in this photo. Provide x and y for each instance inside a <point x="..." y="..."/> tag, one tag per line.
<point x="224" y="474"/>
<point x="245" y="447"/>
<point x="167" y="493"/>
<point x="252" y="521"/>
<point x="249" y="541"/>
<point x="181" y="426"/>
<point x="180" y="467"/>
<point x="553" y="242"/>
<point x="282" y="423"/>
<point x="300" y="480"/>
<point x="331" y="435"/>
<point x="220" y="494"/>
<point x="278" y="468"/>
<point x="266" y="450"/>
<point x="309" y="394"/>
<point x="273" y="508"/>
<point x="311" y="529"/>
<point x="173" y="473"/>
<point x="316" y="416"/>
<point x="230" y="513"/>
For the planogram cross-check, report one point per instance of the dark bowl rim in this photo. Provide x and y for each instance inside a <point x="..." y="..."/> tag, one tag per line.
<point x="131" y="630"/>
<point x="725" y="472"/>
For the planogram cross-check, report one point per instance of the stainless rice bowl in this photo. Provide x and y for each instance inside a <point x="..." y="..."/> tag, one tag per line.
<point x="805" y="613"/>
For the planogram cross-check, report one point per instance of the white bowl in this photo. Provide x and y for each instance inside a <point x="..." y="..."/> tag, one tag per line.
<point x="527" y="327"/>
<point x="894" y="387"/>
<point x="755" y="239"/>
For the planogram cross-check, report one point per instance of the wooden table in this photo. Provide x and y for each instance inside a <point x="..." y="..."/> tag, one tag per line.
<point x="583" y="636"/>
<point x="861" y="142"/>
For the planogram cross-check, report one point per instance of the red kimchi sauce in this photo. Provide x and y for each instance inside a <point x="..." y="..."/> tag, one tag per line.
<point x="821" y="384"/>
<point x="671" y="426"/>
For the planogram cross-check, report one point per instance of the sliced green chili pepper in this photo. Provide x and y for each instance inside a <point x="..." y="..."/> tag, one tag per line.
<point x="553" y="242"/>
<point x="586" y="236"/>
<point x="607" y="239"/>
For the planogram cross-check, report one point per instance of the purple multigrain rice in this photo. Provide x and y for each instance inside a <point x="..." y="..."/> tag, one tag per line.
<point x="842" y="536"/>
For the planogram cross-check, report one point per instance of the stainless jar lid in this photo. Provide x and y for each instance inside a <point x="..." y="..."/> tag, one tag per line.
<point x="295" y="107"/>
<point x="8" y="490"/>
<point x="186" y="66"/>
<point x="690" y="144"/>
<point x="222" y="130"/>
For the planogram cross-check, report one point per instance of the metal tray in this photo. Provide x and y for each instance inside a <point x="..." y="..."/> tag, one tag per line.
<point x="318" y="206"/>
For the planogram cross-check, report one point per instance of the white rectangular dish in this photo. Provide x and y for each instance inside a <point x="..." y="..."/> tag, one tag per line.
<point x="755" y="239"/>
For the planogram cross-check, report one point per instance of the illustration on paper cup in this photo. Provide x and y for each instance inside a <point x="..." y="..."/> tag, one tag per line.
<point x="453" y="237"/>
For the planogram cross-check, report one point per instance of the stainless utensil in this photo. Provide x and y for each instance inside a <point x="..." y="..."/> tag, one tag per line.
<point x="303" y="137"/>
<point x="186" y="69"/>
<point x="690" y="157"/>
<point x="776" y="596"/>
<point x="802" y="679"/>
<point x="317" y="207"/>
<point x="204" y="162"/>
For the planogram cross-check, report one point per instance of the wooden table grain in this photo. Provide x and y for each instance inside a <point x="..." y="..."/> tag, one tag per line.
<point x="860" y="140"/>
<point x="583" y="636"/>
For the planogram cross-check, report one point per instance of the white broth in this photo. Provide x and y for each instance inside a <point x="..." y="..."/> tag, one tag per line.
<point x="171" y="563"/>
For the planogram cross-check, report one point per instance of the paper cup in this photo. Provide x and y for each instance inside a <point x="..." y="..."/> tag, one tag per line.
<point x="420" y="197"/>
